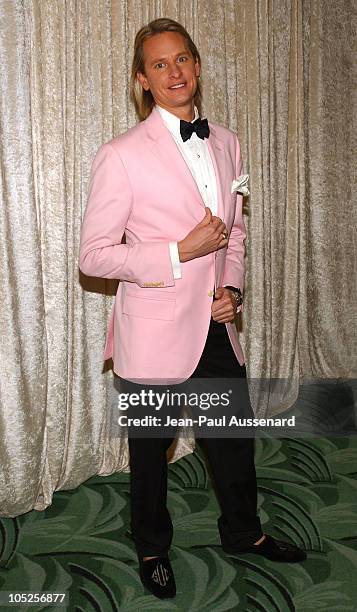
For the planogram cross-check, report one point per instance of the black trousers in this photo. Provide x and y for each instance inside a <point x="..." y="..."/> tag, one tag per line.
<point x="230" y="460"/>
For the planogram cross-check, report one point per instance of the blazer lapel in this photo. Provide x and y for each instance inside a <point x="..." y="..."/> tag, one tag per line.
<point x="218" y="157"/>
<point x="164" y="148"/>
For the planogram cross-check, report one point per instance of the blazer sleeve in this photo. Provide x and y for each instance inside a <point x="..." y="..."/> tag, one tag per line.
<point x="108" y="209"/>
<point x="234" y="270"/>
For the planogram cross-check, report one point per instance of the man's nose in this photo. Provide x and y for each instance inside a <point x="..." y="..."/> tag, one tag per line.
<point x="174" y="70"/>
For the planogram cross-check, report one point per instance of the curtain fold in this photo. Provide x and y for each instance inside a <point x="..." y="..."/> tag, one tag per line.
<point x="328" y="312"/>
<point x="23" y="346"/>
<point x="280" y="74"/>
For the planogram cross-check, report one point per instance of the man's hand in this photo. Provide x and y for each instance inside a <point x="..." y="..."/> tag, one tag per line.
<point x="224" y="306"/>
<point x="206" y="237"/>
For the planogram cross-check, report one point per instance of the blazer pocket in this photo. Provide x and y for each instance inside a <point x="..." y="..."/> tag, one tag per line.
<point x="149" y="308"/>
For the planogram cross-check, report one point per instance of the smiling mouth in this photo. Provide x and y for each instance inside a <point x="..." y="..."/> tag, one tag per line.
<point x="178" y="86"/>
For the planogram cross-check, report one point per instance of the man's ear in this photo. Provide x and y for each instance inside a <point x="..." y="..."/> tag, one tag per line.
<point x="197" y="68"/>
<point x="143" y="80"/>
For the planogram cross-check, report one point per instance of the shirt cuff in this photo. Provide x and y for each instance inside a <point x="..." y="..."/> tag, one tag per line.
<point x="175" y="260"/>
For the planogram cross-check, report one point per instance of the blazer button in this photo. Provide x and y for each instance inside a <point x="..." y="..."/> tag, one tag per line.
<point x="210" y="294"/>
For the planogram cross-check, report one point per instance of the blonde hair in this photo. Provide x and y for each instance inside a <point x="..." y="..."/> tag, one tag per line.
<point x="143" y="100"/>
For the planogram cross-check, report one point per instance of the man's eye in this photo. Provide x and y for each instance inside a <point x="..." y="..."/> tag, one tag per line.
<point x="183" y="57"/>
<point x="159" y="65"/>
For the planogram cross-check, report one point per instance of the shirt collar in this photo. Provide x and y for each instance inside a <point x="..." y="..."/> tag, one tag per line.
<point x="171" y="121"/>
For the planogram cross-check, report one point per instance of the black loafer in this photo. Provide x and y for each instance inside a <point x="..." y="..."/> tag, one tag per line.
<point x="158" y="577"/>
<point x="275" y="550"/>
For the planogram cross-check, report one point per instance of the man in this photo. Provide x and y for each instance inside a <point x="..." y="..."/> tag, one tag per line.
<point x="166" y="184"/>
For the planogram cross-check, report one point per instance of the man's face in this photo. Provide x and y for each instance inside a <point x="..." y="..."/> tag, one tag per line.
<point x="171" y="71"/>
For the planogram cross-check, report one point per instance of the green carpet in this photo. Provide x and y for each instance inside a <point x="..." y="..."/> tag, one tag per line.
<point x="307" y="493"/>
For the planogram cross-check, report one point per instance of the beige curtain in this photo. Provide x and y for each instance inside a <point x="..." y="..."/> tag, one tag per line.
<point x="279" y="73"/>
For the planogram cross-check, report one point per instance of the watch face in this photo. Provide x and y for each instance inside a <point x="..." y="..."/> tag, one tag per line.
<point x="239" y="297"/>
<point x="237" y="294"/>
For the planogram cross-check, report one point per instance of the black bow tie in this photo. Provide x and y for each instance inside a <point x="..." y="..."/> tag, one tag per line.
<point x="200" y="126"/>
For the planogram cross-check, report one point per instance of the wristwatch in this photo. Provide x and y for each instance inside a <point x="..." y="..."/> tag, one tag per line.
<point x="237" y="294"/>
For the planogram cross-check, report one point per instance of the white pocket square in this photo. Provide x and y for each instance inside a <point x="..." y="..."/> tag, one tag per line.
<point x="240" y="185"/>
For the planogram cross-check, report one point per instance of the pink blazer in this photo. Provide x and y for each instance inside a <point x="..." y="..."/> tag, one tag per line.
<point x="141" y="186"/>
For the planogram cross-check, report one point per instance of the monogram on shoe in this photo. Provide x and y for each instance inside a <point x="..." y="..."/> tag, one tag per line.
<point x="157" y="576"/>
<point x="160" y="575"/>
